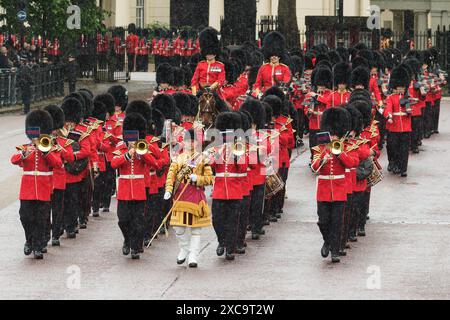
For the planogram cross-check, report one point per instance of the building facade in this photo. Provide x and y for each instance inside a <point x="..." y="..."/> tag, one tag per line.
<point x="145" y="12"/>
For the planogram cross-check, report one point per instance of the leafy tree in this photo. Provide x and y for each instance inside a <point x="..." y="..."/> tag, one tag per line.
<point x="48" y="18"/>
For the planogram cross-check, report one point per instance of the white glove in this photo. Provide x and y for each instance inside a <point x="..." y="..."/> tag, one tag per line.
<point x="193" y="177"/>
<point x="167" y="195"/>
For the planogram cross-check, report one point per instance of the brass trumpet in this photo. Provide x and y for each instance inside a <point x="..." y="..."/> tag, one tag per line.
<point x="141" y="147"/>
<point x="45" y="143"/>
<point x="337" y="147"/>
<point x="239" y="148"/>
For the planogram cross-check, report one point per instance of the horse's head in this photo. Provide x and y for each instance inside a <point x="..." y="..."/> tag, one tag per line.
<point x="207" y="110"/>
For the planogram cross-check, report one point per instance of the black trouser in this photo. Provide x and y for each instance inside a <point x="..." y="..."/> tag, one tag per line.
<point x="72" y="206"/>
<point x="279" y="197"/>
<point x="398" y="149"/>
<point x="256" y="207"/>
<point x="346" y="220"/>
<point x="301" y="123"/>
<point x="225" y="215"/>
<point x="99" y="191"/>
<point x="416" y="123"/>
<point x="33" y="214"/>
<point x="26" y="100"/>
<point x="364" y="212"/>
<point x="357" y="206"/>
<point x="312" y="140"/>
<point x="436" y="111"/>
<point x="269" y="209"/>
<point x="72" y="86"/>
<point x="243" y="220"/>
<point x="109" y="178"/>
<point x="131" y="62"/>
<point x="330" y="223"/>
<point x="152" y="214"/>
<point x="382" y="128"/>
<point x="57" y="213"/>
<point x="84" y="199"/>
<point x="131" y="222"/>
<point x="427" y="120"/>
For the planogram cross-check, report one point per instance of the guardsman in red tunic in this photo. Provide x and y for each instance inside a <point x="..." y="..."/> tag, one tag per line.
<point x="132" y="43"/>
<point x="120" y="95"/>
<point x="37" y="184"/>
<point x="164" y="79"/>
<point x="131" y="194"/>
<point x="330" y="164"/>
<point x="398" y="114"/>
<point x="256" y="162"/>
<point x="209" y="74"/>
<point x="341" y="81"/>
<point x="317" y="102"/>
<point x="300" y="89"/>
<point x="230" y="170"/>
<point x="272" y="73"/>
<point x="59" y="174"/>
<point x="75" y="172"/>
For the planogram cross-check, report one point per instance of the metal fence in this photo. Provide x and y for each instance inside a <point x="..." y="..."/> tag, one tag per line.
<point x="48" y="82"/>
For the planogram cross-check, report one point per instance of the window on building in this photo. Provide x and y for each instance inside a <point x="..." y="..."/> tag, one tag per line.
<point x="140" y="13"/>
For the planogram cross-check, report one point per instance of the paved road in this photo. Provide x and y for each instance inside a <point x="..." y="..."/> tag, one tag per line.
<point x="405" y="255"/>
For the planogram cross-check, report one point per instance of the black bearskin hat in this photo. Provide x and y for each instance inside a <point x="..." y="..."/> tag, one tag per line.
<point x="178" y="77"/>
<point x="323" y="77"/>
<point x="268" y="112"/>
<point x="365" y="108"/>
<point x="252" y="75"/>
<point x="256" y="111"/>
<point x="80" y="98"/>
<point x="141" y="107"/>
<point x="228" y="121"/>
<point x="427" y="57"/>
<point x="257" y="59"/>
<point x="57" y="116"/>
<point x="334" y="57"/>
<point x="360" y="61"/>
<point x="399" y="78"/>
<point x="184" y="103"/>
<point x="343" y="52"/>
<point x="194" y="104"/>
<point x="360" y="94"/>
<point x="360" y="46"/>
<point x="88" y="103"/>
<point x="165" y="73"/>
<point x="221" y="106"/>
<point x="209" y="42"/>
<point x="296" y="65"/>
<point x="415" y="54"/>
<point x="187" y="75"/>
<point x="135" y="121"/>
<point x="276" y="104"/>
<point x="241" y="55"/>
<point x="246" y="120"/>
<point x="341" y="73"/>
<point x="157" y="124"/>
<point x="309" y="62"/>
<point x="120" y="95"/>
<point x="86" y="90"/>
<point x="360" y="76"/>
<point x="40" y="119"/>
<point x="108" y="100"/>
<point x="378" y="61"/>
<point x="274" y="45"/>
<point x="177" y="118"/>
<point x="414" y="65"/>
<point x="357" y="119"/>
<point x="166" y="104"/>
<point x="73" y="110"/>
<point x="366" y="54"/>
<point x="99" y="111"/>
<point x="131" y="28"/>
<point x="275" y="91"/>
<point x="336" y="121"/>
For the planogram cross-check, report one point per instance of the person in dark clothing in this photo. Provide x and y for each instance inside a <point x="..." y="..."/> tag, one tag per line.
<point x="72" y="72"/>
<point x="25" y="81"/>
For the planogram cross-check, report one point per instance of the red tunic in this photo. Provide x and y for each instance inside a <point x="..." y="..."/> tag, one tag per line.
<point x="37" y="179"/>
<point x="269" y="75"/>
<point x="132" y="173"/>
<point x="207" y="74"/>
<point x="337" y="98"/>
<point x="59" y="174"/>
<point x="331" y="184"/>
<point x="401" y="119"/>
<point x="315" y="115"/>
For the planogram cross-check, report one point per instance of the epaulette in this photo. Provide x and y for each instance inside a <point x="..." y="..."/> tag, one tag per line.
<point x="57" y="148"/>
<point x="83" y="136"/>
<point x="21" y="147"/>
<point x="352" y="147"/>
<point x="154" y="139"/>
<point x="107" y="135"/>
<point x="220" y="63"/>
<point x="164" y="146"/>
<point x="316" y="149"/>
<point x="68" y="142"/>
<point x="118" y="124"/>
<point x="362" y="141"/>
<point x="117" y="153"/>
<point x="282" y="64"/>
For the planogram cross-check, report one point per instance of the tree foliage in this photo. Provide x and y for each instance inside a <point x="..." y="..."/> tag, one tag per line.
<point x="287" y="16"/>
<point x="48" y="18"/>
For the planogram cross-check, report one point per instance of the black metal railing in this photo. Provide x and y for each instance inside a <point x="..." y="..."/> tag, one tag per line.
<point x="47" y="82"/>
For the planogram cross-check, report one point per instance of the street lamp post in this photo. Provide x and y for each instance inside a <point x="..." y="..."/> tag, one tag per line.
<point x="340" y="41"/>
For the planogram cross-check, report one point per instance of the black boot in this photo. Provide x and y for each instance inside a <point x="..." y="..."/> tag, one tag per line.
<point x="361" y="232"/>
<point x="55" y="242"/>
<point x="27" y="249"/>
<point x="125" y="249"/>
<point x="229" y="256"/>
<point x="38" y="255"/>
<point x="71" y="235"/>
<point x="240" y="250"/>
<point x="95" y="214"/>
<point x="220" y="250"/>
<point x="335" y="258"/>
<point x="255" y="236"/>
<point x="135" y="255"/>
<point x="325" y="251"/>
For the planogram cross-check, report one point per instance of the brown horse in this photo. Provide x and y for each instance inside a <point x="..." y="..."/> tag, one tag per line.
<point x="207" y="111"/>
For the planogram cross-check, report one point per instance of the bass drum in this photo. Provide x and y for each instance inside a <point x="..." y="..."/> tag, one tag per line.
<point x="274" y="184"/>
